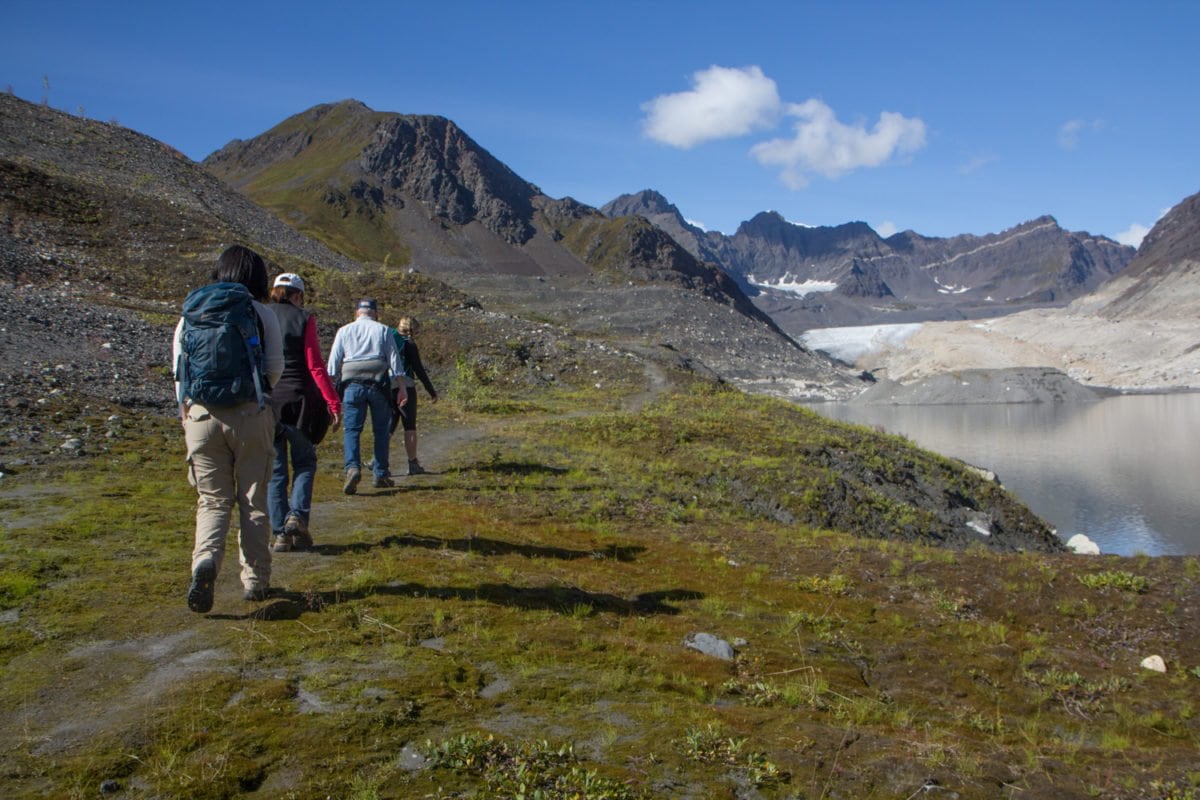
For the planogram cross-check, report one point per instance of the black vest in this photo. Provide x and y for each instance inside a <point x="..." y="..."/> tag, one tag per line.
<point x="295" y="378"/>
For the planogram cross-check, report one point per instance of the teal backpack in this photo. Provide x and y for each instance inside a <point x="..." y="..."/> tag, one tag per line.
<point x="221" y="359"/>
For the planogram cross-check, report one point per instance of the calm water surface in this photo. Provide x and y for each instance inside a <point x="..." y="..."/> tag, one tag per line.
<point x="1125" y="470"/>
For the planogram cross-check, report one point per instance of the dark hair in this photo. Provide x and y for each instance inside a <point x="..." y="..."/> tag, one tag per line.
<point x="242" y="265"/>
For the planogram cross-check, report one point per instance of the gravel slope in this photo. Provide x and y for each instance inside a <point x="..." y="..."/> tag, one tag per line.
<point x="1128" y="355"/>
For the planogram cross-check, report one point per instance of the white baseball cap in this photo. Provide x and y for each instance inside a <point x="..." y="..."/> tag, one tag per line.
<point x="292" y="280"/>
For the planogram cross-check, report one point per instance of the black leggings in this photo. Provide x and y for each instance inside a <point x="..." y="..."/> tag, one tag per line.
<point x="408" y="411"/>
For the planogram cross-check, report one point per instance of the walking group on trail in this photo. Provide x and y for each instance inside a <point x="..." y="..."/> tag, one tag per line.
<point x="255" y="397"/>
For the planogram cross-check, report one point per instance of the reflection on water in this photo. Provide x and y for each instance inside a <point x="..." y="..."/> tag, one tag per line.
<point x="1123" y="470"/>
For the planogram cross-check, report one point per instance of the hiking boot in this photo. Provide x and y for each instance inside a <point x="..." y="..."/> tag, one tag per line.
<point x="353" y="476"/>
<point x="256" y="595"/>
<point x="297" y="529"/>
<point x="200" y="593"/>
<point x="415" y="469"/>
<point x="282" y="542"/>
<point x="384" y="482"/>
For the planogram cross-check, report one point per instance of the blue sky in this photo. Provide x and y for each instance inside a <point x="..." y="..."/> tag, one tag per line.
<point x="940" y="117"/>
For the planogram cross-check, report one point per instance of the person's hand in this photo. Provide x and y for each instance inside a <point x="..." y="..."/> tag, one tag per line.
<point x="433" y="399"/>
<point x="337" y="421"/>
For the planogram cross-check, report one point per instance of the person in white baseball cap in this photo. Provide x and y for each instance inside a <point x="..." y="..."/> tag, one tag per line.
<point x="307" y="405"/>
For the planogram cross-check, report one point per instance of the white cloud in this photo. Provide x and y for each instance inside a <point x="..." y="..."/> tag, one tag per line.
<point x="1068" y="134"/>
<point x="831" y="148"/>
<point x="886" y="228"/>
<point x="1133" y="235"/>
<point x="724" y="102"/>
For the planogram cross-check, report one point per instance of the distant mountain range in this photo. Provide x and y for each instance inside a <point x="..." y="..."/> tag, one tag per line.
<point x="807" y="277"/>
<point x="1139" y="331"/>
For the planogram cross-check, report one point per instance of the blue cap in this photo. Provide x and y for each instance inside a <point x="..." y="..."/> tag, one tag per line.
<point x="368" y="304"/>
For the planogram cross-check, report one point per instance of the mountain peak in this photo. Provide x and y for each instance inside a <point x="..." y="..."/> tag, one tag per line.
<point x="647" y="203"/>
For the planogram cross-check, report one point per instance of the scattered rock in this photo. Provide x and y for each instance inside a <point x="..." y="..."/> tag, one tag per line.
<point x="710" y="645"/>
<point x="496" y="688"/>
<point x="979" y="522"/>
<point x="411" y="759"/>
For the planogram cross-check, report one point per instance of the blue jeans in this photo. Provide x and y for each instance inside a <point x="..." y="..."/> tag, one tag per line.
<point x="356" y="400"/>
<point x="304" y="469"/>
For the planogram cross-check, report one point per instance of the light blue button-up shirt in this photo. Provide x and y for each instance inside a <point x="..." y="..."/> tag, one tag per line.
<point x="365" y="340"/>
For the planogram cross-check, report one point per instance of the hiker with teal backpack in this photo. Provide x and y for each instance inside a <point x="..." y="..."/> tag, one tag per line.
<point x="307" y="406"/>
<point x="227" y="355"/>
<point x="406" y="415"/>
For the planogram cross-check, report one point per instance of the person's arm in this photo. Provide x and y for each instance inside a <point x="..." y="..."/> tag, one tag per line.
<point x="272" y="343"/>
<point x="176" y="355"/>
<point x="392" y="355"/>
<point x="316" y="367"/>
<point x="335" y="356"/>
<point x="412" y="356"/>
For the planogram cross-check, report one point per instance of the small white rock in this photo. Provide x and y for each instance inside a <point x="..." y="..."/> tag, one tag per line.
<point x="1155" y="663"/>
<point x="1081" y="544"/>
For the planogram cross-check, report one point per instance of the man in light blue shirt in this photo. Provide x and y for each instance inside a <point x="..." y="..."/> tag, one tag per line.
<point x="366" y="366"/>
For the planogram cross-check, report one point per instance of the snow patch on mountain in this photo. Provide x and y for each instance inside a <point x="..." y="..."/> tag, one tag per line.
<point x="793" y="285"/>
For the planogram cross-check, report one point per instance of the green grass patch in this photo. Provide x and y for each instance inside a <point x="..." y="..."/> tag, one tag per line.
<point x="1116" y="579"/>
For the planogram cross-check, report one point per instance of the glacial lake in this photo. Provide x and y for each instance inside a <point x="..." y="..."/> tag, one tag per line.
<point x="1124" y="470"/>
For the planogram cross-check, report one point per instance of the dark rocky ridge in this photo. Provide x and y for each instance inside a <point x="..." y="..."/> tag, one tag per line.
<point x="1163" y="281"/>
<point x="904" y="278"/>
<point x="396" y="159"/>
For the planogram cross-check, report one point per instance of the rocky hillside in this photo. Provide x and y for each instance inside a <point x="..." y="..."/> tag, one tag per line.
<point x="807" y="277"/>
<point x="102" y="230"/>
<point x="1163" y="282"/>
<point x="419" y="193"/>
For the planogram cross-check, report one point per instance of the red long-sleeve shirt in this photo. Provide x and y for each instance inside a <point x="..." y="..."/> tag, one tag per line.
<point x="316" y="366"/>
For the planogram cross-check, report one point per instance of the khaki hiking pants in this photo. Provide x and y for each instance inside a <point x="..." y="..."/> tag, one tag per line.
<point x="230" y="453"/>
